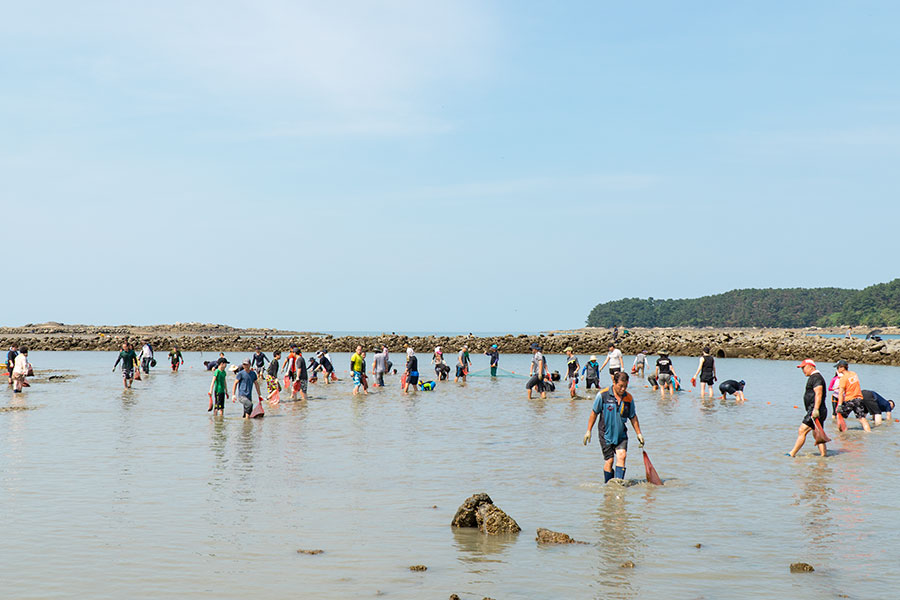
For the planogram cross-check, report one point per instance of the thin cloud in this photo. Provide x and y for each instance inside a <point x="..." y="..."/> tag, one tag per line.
<point x="349" y="56"/>
<point x="539" y="185"/>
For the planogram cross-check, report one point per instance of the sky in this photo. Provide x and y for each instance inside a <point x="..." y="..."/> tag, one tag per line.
<point x="438" y="166"/>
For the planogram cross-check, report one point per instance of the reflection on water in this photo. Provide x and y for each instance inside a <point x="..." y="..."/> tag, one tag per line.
<point x="187" y="505"/>
<point x="618" y="543"/>
<point x="475" y="547"/>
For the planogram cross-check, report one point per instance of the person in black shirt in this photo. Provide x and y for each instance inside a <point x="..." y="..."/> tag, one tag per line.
<point x="412" y="371"/>
<point x="300" y="385"/>
<point x="707" y="372"/>
<point x="11" y="361"/>
<point x="258" y="360"/>
<point x="816" y="409"/>
<point x="572" y="370"/>
<point x="730" y="386"/>
<point x="664" y="372"/>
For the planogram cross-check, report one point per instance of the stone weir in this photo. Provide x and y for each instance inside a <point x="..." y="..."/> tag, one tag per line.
<point x="731" y="343"/>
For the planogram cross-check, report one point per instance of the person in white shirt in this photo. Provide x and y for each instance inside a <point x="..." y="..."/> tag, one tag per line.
<point x="20" y="370"/>
<point x="615" y="359"/>
<point x="146" y="356"/>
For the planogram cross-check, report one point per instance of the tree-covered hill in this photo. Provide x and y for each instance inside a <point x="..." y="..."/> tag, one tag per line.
<point x="877" y="305"/>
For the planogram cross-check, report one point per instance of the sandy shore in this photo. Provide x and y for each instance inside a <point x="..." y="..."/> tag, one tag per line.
<point x="784" y="344"/>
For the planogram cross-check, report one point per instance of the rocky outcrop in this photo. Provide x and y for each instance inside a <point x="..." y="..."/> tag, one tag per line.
<point x="801" y="567"/>
<point x="777" y="344"/>
<point x="493" y="521"/>
<point x="479" y="511"/>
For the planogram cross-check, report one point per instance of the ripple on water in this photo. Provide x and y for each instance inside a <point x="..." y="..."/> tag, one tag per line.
<point x="184" y="504"/>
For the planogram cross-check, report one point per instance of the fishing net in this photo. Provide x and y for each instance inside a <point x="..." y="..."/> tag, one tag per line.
<point x="500" y="373"/>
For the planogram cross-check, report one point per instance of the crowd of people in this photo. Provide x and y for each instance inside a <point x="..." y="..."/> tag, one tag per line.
<point x="612" y="409"/>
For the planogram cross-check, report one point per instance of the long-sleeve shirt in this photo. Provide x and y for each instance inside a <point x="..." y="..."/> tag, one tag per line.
<point x="21" y="365"/>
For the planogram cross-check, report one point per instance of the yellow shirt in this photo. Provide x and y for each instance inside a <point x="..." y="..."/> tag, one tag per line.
<point x="356" y="363"/>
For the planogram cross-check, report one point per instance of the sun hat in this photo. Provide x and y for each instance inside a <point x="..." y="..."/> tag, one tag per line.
<point x="593" y="357"/>
<point x="569" y="349"/>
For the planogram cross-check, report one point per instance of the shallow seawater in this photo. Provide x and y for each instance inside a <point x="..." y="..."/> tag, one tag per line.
<point x="141" y="494"/>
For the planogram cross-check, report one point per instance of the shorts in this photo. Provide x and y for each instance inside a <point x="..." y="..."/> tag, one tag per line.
<point x="653" y="381"/>
<point x="707" y="379"/>
<point x="128" y="373"/>
<point x="292" y="375"/>
<point x="357" y="378"/>
<point x="665" y="378"/>
<point x="592" y="382"/>
<point x="412" y="378"/>
<point x="379" y="377"/>
<point x="460" y="371"/>
<point x="807" y="418"/>
<point x="248" y="404"/>
<point x="871" y="405"/>
<point x="300" y="385"/>
<point x="535" y="381"/>
<point x="220" y="401"/>
<point x="728" y="389"/>
<point x="609" y="451"/>
<point x="856" y="406"/>
<point x="614" y="370"/>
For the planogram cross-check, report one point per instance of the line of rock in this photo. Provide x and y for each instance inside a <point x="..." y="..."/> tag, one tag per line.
<point x="767" y="344"/>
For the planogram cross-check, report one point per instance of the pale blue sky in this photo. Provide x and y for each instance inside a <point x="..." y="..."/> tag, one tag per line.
<point x="438" y="166"/>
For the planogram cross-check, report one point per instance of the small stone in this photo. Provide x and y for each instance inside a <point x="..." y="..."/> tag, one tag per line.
<point x="418" y="568"/>
<point x="546" y="536"/>
<point x="454" y="597"/>
<point x="801" y="568"/>
<point x="698" y="545"/>
<point x="627" y="564"/>
<point x="302" y="551"/>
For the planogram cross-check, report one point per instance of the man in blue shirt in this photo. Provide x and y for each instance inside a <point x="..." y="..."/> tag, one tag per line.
<point x="243" y="388"/>
<point x="614" y="406"/>
<point x="494" y="353"/>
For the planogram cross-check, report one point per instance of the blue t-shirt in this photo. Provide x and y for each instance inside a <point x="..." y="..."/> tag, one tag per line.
<point x="245" y="381"/>
<point x="612" y="415"/>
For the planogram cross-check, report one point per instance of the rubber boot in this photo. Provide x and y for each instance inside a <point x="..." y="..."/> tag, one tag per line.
<point x="620" y="472"/>
<point x="607" y="475"/>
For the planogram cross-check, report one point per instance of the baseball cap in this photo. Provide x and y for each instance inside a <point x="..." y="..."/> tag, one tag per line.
<point x="569" y="349"/>
<point x="807" y="362"/>
<point x="535" y="346"/>
<point x="246" y="361"/>
<point x="841" y="363"/>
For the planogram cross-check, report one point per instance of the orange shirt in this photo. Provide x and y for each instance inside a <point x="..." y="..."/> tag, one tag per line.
<point x="850" y="384"/>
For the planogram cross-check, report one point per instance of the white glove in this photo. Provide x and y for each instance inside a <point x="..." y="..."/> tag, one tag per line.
<point x="641" y="440"/>
<point x="587" y="437"/>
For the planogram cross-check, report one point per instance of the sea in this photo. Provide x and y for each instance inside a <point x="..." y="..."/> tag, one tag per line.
<point x="141" y="493"/>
